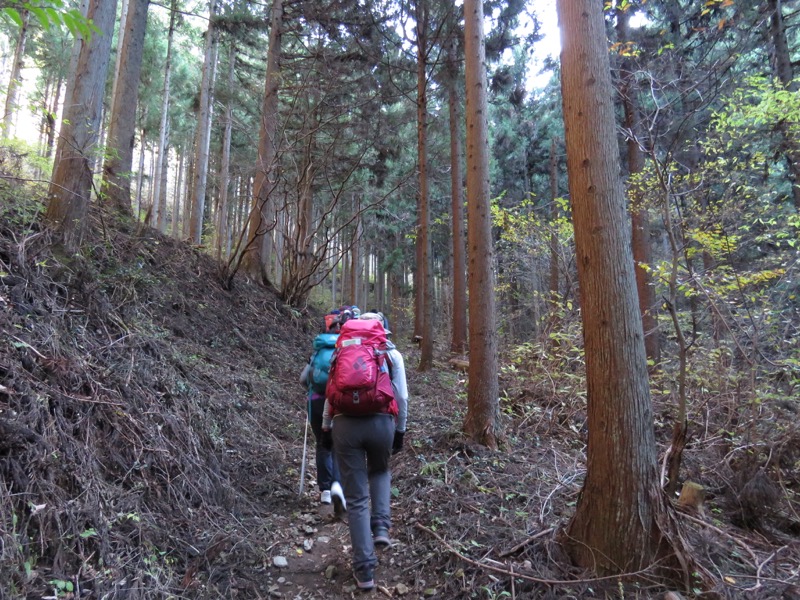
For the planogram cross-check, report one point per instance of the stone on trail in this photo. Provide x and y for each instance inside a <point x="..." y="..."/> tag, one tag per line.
<point x="280" y="562"/>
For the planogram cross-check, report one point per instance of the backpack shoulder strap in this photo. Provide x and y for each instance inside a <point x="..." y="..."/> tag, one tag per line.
<point x="384" y="352"/>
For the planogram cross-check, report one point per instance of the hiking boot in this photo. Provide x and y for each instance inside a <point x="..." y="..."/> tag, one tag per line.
<point x="325" y="497"/>
<point x="365" y="578"/>
<point x="337" y="496"/>
<point x="380" y="537"/>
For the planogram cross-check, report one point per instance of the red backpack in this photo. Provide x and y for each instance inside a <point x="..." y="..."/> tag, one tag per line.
<point x="359" y="381"/>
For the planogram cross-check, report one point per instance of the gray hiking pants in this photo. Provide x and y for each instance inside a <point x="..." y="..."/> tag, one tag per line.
<point x="363" y="446"/>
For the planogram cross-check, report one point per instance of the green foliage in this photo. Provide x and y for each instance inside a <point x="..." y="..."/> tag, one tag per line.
<point x="21" y="159"/>
<point x="759" y="102"/>
<point x="524" y="238"/>
<point x="53" y="13"/>
<point x="557" y="362"/>
<point x="21" y="199"/>
<point x="735" y="231"/>
<point x="62" y="587"/>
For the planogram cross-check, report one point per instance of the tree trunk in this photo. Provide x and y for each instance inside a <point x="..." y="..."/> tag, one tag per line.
<point x="425" y="266"/>
<point x="782" y="67"/>
<point x="554" y="213"/>
<point x="224" y="175"/>
<point x="70" y="189"/>
<point x="151" y="176"/>
<point x="120" y="42"/>
<point x="458" y="342"/>
<point x="203" y="134"/>
<point x="51" y="116"/>
<point x="162" y="161"/>
<point x="262" y="215"/>
<point x="140" y="175"/>
<point x="380" y="280"/>
<point x="355" y="258"/>
<point x="176" y="204"/>
<point x="333" y="276"/>
<point x="482" y="421"/>
<point x="160" y="191"/>
<point x="15" y="80"/>
<point x="617" y="526"/>
<point x="187" y="198"/>
<point x="118" y="164"/>
<point x="640" y="222"/>
<point x="299" y="264"/>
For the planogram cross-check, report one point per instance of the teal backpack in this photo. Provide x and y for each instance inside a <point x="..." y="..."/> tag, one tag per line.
<point x="324" y="345"/>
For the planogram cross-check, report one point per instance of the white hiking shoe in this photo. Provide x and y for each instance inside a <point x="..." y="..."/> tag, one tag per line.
<point x="337" y="495"/>
<point x="325" y="497"/>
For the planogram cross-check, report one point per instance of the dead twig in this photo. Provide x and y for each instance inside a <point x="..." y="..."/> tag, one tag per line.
<point x="525" y="542"/>
<point x="747" y="548"/>
<point x="761" y="567"/>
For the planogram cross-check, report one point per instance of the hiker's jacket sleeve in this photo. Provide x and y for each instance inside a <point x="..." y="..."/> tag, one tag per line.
<point x="304" y="375"/>
<point x="327" y="416"/>
<point x="400" y="387"/>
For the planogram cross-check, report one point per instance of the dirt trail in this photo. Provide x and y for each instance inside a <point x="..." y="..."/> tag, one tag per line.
<point x="315" y="546"/>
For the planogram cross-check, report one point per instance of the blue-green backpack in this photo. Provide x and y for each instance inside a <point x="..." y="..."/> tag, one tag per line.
<point x="324" y="345"/>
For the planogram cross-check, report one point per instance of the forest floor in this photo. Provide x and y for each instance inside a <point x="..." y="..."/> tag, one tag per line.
<point x="152" y="433"/>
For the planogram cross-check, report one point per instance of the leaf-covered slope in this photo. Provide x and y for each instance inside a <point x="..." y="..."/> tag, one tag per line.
<point x="143" y="408"/>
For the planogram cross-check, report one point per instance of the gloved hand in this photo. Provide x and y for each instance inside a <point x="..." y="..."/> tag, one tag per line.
<point x="397" y="443"/>
<point x="326" y="439"/>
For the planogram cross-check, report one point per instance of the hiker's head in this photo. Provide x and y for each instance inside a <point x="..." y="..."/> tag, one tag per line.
<point x="376" y="316"/>
<point x="356" y="312"/>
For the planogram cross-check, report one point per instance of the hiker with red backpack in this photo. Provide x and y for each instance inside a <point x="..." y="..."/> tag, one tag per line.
<point x="364" y="420"/>
<point x="315" y="378"/>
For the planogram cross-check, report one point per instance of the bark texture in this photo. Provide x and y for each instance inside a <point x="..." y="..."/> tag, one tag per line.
<point x="118" y="164"/>
<point x="162" y="162"/>
<point x="258" y="250"/>
<point x="71" y="182"/>
<point x="203" y="132"/>
<point x="616" y="524"/>
<point x="458" y="342"/>
<point x="425" y="265"/>
<point x="482" y="420"/>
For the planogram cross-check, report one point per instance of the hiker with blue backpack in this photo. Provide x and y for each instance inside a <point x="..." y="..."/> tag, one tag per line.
<point x="315" y="378"/>
<point x="364" y="421"/>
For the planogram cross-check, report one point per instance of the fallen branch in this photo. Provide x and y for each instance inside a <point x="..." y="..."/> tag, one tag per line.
<point x="524" y="543"/>
<point x="512" y="573"/>
<point x="459" y="364"/>
<point x="725" y="534"/>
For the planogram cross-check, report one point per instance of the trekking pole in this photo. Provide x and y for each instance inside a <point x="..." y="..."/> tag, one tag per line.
<point x="305" y="447"/>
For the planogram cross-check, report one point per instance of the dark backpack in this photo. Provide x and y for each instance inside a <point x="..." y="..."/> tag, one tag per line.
<point x="359" y="381"/>
<point x="324" y="346"/>
<point x="333" y="321"/>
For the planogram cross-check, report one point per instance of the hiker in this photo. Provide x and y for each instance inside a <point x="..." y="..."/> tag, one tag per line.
<point x="314" y="377"/>
<point x="383" y="317"/>
<point x="363" y="444"/>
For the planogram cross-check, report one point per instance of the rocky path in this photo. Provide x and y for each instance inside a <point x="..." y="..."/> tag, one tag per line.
<point x="312" y="560"/>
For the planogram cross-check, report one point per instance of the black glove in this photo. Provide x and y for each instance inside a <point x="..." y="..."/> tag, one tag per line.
<point x="397" y="443"/>
<point x="326" y="439"/>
